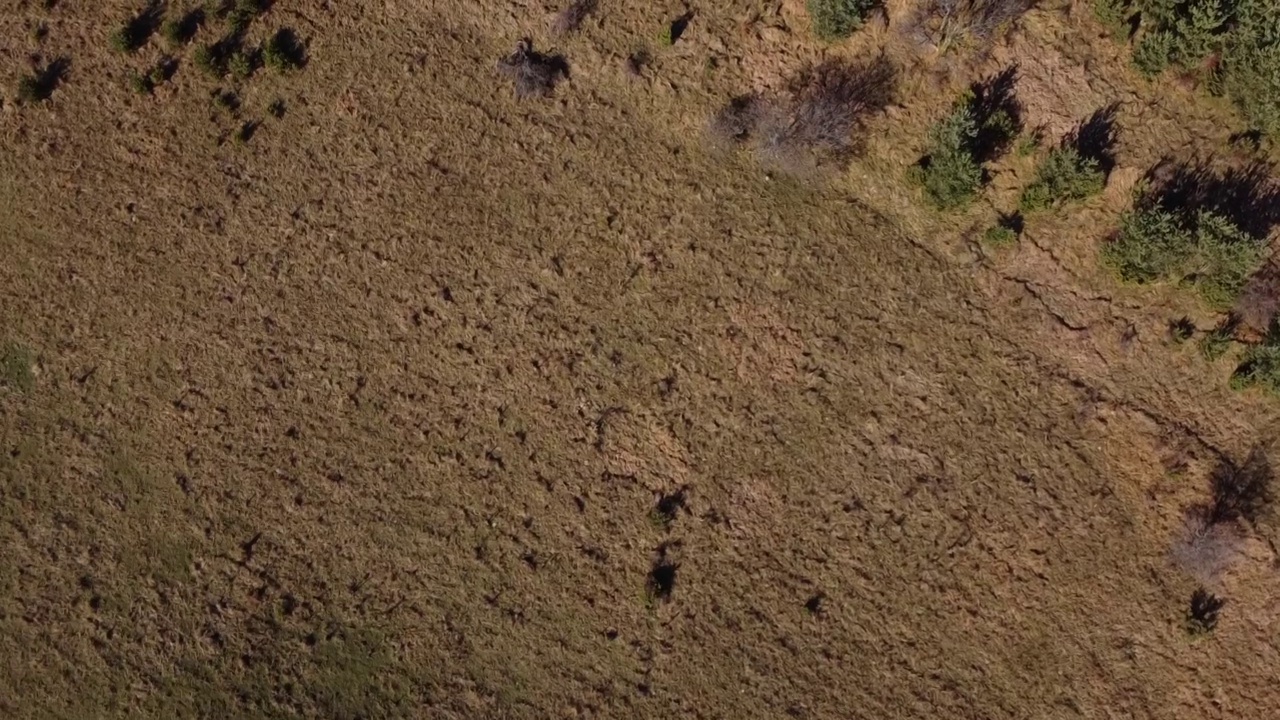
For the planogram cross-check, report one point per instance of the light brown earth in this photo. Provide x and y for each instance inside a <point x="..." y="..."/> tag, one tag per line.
<point x="369" y="417"/>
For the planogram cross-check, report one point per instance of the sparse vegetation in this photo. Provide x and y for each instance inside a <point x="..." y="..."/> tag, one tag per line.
<point x="1065" y="175"/>
<point x="838" y="19"/>
<point x="1205" y="550"/>
<point x="139" y="83"/>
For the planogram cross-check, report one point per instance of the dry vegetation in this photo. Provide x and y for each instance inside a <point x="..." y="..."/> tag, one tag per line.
<point x="336" y="382"/>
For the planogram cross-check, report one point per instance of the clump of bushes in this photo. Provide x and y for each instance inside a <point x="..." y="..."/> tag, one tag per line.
<point x="1201" y="248"/>
<point x="814" y="121"/>
<point x="1064" y="175"/>
<point x="1234" y="43"/>
<point x="838" y="19"/>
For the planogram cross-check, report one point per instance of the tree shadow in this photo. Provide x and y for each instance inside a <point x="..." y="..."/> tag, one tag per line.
<point x="997" y="113"/>
<point x="49" y="78"/>
<point x="140" y="27"/>
<point x="1095" y="138"/>
<point x="680" y="24"/>
<point x="287" y="43"/>
<point x="1241" y="491"/>
<point x="1246" y="196"/>
<point x="189" y="24"/>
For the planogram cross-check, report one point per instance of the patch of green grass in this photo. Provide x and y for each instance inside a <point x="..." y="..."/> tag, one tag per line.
<point x="838" y="19"/>
<point x="1202" y="249"/>
<point x="15" y="367"/>
<point x="1064" y="175"/>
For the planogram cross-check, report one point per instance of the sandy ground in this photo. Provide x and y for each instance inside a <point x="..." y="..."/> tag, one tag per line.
<point x="427" y="402"/>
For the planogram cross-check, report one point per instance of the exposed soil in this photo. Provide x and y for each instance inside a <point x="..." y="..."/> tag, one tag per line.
<point x="423" y="400"/>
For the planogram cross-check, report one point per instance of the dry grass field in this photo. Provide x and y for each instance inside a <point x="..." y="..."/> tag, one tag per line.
<point x="349" y="384"/>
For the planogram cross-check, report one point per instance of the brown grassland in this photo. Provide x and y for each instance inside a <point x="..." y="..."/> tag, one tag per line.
<point x="349" y="385"/>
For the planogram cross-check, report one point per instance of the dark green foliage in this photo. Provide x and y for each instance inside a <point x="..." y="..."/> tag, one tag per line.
<point x="837" y="19"/>
<point x="1180" y="32"/>
<point x="1203" y="249"/>
<point x="951" y="174"/>
<point x="15" y="367"/>
<point x="1114" y="14"/>
<point x="1251" y="64"/>
<point x="1063" y="176"/>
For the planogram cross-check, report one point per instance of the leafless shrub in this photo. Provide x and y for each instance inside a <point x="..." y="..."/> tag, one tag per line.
<point x="814" y="120"/>
<point x="1205" y="550"/>
<point x="534" y="74"/>
<point x="570" y="19"/>
<point x="950" y="24"/>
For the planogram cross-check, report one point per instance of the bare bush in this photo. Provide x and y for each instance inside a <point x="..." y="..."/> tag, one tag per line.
<point x="951" y="24"/>
<point x="1206" y="550"/>
<point x="814" y="120"/>
<point x="570" y="19"/>
<point x="534" y="74"/>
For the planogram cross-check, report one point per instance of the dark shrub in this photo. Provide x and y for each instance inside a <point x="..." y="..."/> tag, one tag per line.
<point x="1202" y="615"/>
<point x="1064" y="175"/>
<point x="570" y="19"/>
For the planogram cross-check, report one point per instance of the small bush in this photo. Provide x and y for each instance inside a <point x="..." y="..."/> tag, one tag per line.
<point x="1202" y="615"/>
<point x="139" y="83"/>
<point x="950" y="174"/>
<point x="283" y="52"/>
<point x="1064" y="175"/>
<point x="15" y="367"/>
<point x="1181" y="330"/>
<point x="1000" y="235"/>
<point x="29" y="91"/>
<point x="206" y="60"/>
<point x="1217" y="341"/>
<point x="1180" y="33"/>
<point x="1202" y="249"/>
<point x="838" y="19"/>
<point x="240" y="65"/>
<point x="1114" y="15"/>
<point x="122" y="41"/>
